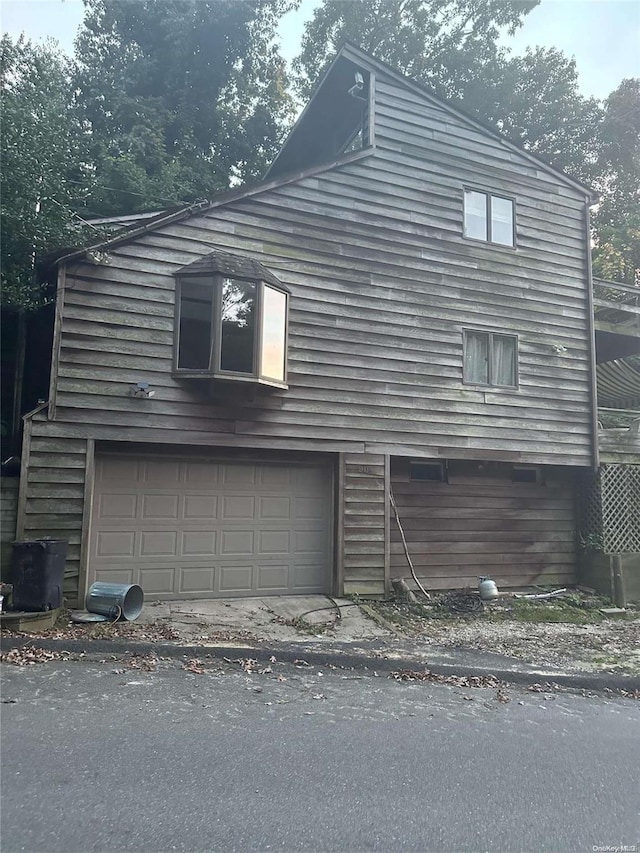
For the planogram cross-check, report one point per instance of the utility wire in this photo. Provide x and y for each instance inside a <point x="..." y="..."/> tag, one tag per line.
<point x="130" y="192"/>
<point x="77" y="216"/>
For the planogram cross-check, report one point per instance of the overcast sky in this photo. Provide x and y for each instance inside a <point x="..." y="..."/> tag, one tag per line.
<point x="602" y="35"/>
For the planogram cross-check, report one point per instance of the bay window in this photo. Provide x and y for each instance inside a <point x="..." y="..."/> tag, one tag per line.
<point x="231" y="322"/>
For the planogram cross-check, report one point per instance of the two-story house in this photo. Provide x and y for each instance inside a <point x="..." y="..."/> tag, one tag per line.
<point x="402" y="306"/>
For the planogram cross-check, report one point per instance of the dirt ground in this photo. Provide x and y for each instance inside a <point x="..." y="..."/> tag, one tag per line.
<point x="570" y="631"/>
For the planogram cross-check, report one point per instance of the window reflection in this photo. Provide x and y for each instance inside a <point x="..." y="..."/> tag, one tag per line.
<point x="501" y="221"/>
<point x="274" y="317"/>
<point x="238" y="325"/>
<point x="196" y="300"/>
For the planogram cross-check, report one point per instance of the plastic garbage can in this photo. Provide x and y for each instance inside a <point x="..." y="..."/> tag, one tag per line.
<point x="37" y="574"/>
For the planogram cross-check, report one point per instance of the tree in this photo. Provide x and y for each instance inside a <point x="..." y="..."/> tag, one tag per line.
<point x="536" y="102"/>
<point x="439" y="42"/>
<point x="181" y="97"/>
<point x="617" y="220"/>
<point x="452" y="47"/>
<point x="43" y="178"/>
<point x="43" y="182"/>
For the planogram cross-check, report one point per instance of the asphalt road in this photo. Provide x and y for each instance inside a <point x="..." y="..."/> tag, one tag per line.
<point x="104" y="757"/>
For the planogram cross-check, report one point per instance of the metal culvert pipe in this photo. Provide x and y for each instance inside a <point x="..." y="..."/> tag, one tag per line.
<point x="115" y="600"/>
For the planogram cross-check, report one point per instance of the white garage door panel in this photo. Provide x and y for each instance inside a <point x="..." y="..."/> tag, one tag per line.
<point x="200" y="528"/>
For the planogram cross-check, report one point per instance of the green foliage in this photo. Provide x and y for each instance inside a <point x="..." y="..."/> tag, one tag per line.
<point x="617" y="222"/>
<point x="616" y="420"/>
<point x="555" y="610"/>
<point x="180" y="97"/>
<point x="44" y="179"/>
<point x="535" y="101"/>
<point x="443" y="43"/>
<point x="172" y="100"/>
<point x="591" y="542"/>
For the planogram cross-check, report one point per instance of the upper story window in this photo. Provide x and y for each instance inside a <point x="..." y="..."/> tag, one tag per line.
<point x="231" y="321"/>
<point x="490" y="359"/>
<point x="489" y="218"/>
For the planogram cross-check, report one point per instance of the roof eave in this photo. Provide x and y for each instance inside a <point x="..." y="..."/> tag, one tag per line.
<point x="224" y="198"/>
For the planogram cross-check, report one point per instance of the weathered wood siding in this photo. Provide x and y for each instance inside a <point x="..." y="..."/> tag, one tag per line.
<point x="365" y="480"/>
<point x="8" y="515"/>
<point x="53" y="494"/>
<point x="480" y="522"/>
<point x="619" y="446"/>
<point x="537" y="291"/>
<point x="383" y="284"/>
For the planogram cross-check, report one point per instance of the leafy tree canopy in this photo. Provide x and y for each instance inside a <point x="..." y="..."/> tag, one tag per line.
<point x="179" y="97"/>
<point x="442" y="43"/>
<point x="617" y="220"/>
<point x="43" y="180"/>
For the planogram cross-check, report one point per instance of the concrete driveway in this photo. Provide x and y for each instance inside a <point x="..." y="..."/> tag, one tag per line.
<point x="292" y="618"/>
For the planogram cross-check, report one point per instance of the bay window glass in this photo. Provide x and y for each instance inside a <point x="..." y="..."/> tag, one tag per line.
<point x="231" y="327"/>
<point x="238" y="325"/>
<point x="274" y="321"/>
<point x="196" y="311"/>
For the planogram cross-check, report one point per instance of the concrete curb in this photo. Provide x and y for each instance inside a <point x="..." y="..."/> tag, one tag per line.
<point x="286" y="653"/>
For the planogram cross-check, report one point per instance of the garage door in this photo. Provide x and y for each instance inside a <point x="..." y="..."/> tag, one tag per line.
<point x="201" y="528"/>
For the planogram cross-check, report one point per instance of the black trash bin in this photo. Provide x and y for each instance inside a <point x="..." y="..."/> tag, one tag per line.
<point x="37" y="573"/>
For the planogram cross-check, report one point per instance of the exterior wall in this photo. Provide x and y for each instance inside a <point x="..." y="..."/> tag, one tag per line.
<point x="619" y="446"/>
<point x="598" y="570"/>
<point x="8" y="516"/>
<point x="480" y="522"/>
<point x="538" y="291"/>
<point x="382" y="286"/>
<point x="57" y="488"/>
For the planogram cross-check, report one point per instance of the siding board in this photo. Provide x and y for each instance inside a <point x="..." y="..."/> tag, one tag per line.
<point x="365" y="560"/>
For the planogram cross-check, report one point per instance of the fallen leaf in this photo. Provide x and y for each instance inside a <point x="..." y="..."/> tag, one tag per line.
<point x="193" y="665"/>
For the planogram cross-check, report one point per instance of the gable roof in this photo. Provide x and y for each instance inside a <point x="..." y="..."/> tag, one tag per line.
<point x="355" y="55"/>
<point x="358" y="57"/>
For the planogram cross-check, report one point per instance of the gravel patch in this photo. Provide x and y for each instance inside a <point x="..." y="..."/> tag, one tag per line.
<point x="601" y="645"/>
